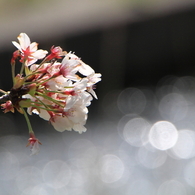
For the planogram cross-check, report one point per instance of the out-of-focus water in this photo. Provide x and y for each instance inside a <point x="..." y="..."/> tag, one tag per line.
<point x="145" y="145"/>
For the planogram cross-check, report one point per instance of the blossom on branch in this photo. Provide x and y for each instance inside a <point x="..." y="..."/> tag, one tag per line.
<point x="59" y="89"/>
<point x="29" y="51"/>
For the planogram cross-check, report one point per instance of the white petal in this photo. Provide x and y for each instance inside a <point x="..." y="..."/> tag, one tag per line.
<point x="86" y="69"/>
<point x="70" y="101"/>
<point x="92" y="92"/>
<point x="81" y="85"/>
<point x="44" y="115"/>
<point x="39" y="54"/>
<point x="30" y="61"/>
<point x="24" y="40"/>
<point x="78" y="114"/>
<point x="35" y="148"/>
<point x="62" y="123"/>
<point x="17" y="45"/>
<point x="86" y="98"/>
<point x="33" y="47"/>
<point x="80" y="128"/>
<point x="95" y="78"/>
<point x="69" y="63"/>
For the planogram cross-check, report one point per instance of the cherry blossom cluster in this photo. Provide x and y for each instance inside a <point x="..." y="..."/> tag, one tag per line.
<point x="58" y="89"/>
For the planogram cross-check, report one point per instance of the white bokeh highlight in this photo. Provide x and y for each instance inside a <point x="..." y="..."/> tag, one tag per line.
<point x="135" y="131"/>
<point x="163" y="135"/>
<point x="151" y="158"/>
<point x="141" y="187"/>
<point x="173" y="107"/>
<point x="111" y="168"/>
<point x="189" y="174"/>
<point x="56" y="174"/>
<point x="172" y="187"/>
<point x="185" y="145"/>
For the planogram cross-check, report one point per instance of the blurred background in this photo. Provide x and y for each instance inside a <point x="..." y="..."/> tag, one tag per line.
<point x="141" y="130"/>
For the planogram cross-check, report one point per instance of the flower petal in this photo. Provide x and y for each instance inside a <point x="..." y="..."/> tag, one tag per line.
<point x="33" y="47"/>
<point x="62" y="123"/>
<point x="24" y="40"/>
<point x="79" y="128"/>
<point x="39" y="54"/>
<point x="35" y="148"/>
<point x="17" y="45"/>
<point x="86" y="69"/>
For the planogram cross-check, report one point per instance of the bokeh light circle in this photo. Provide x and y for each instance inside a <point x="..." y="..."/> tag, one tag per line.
<point x="111" y="168"/>
<point x="9" y="165"/>
<point x="141" y="187"/>
<point x="185" y="145"/>
<point x="29" y="176"/>
<point x="56" y="174"/>
<point x="152" y="158"/>
<point x="131" y="100"/>
<point x="136" y="131"/>
<point x="163" y="135"/>
<point x="171" y="187"/>
<point x="173" y="106"/>
<point x="189" y="173"/>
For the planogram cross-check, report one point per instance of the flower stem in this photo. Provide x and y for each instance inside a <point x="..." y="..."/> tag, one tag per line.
<point x="27" y="121"/>
<point x="45" y="80"/>
<point x="22" y="68"/>
<point x="41" y="102"/>
<point x="47" y="109"/>
<point x="13" y="72"/>
<point x="50" y="99"/>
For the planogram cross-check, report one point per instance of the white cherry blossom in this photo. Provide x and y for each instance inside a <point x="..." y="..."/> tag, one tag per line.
<point x="59" y="89"/>
<point x="29" y="51"/>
